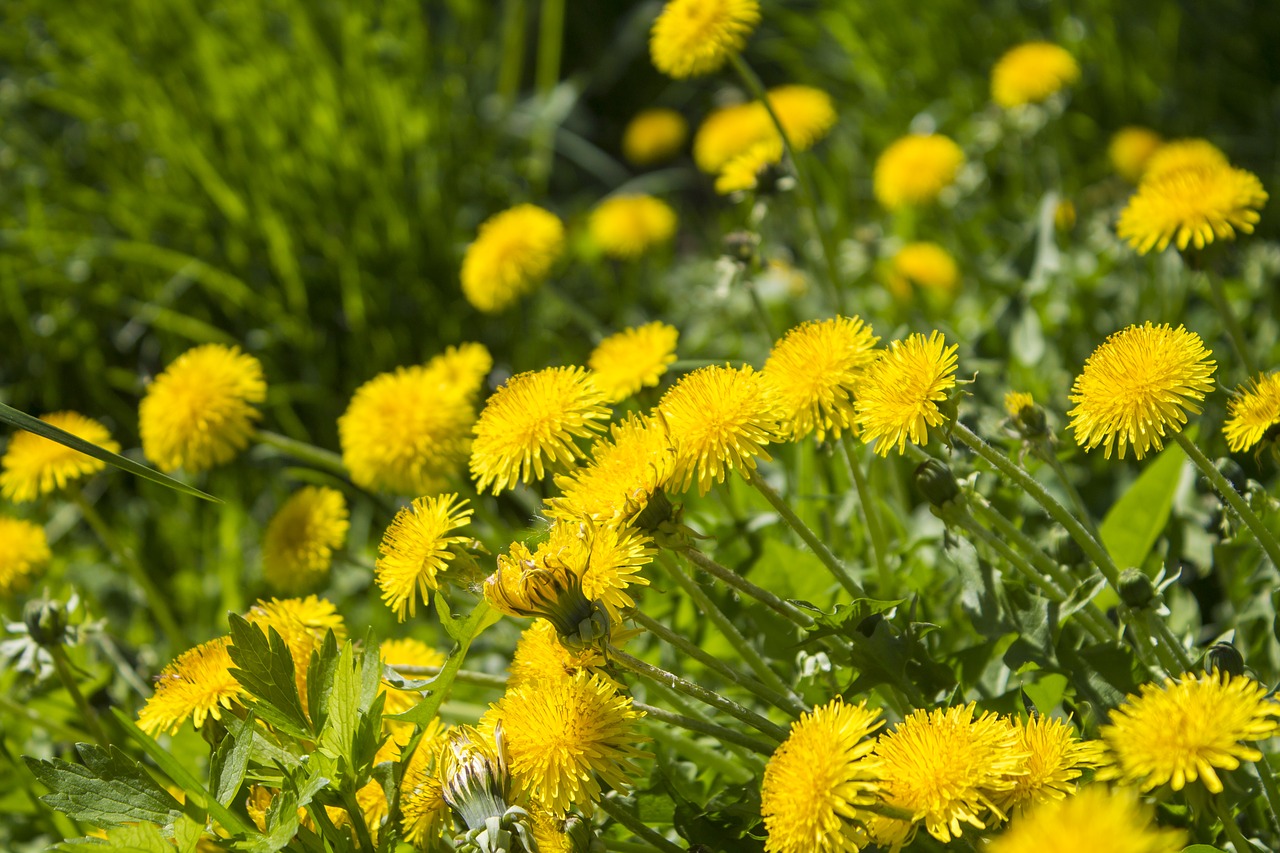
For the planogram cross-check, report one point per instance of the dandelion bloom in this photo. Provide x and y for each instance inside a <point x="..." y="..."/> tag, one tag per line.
<point x="607" y="559"/>
<point x="915" y="169"/>
<point x="632" y="359"/>
<point x="719" y="419"/>
<point x="925" y="265"/>
<point x="691" y="38"/>
<point x="815" y="369"/>
<point x="1031" y="73"/>
<point x="1130" y="151"/>
<point x="900" y="391"/>
<point x="625" y="473"/>
<point x="1138" y="384"/>
<point x="301" y="538"/>
<point x="654" y="136"/>
<point x="805" y="113"/>
<point x="1056" y="758"/>
<point x="34" y="466"/>
<point x="817" y="780"/>
<point x="24" y="553"/>
<point x="945" y="766"/>
<point x="728" y="133"/>
<point x="1181" y="730"/>
<point x="1254" y="413"/>
<point x="626" y="227"/>
<point x="531" y="422"/>
<point x="1179" y="154"/>
<point x="405" y="652"/>
<point x="199" y="413"/>
<point x="416" y="547"/>
<point x="540" y="657"/>
<point x="424" y="813"/>
<point x="514" y="252"/>
<point x="1094" y="819"/>
<point x="1191" y="206"/>
<point x="743" y="172"/>
<point x="196" y="685"/>
<point x="462" y="368"/>
<point x="561" y="735"/>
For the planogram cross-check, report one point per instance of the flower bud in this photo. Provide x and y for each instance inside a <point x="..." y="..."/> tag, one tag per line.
<point x="1225" y="658"/>
<point x="936" y="482"/>
<point x="1136" y="589"/>
<point x="46" y="621"/>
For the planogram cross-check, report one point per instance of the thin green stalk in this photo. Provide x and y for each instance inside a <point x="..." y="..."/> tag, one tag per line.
<point x="785" y="609"/>
<point x="1146" y="644"/>
<point x="356" y="815"/>
<point x="462" y="676"/>
<point x="546" y="75"/>
<point x="1234" y="331"/>
<point x="701" y="754"/>
<point x="704" y="728"/>
<point x="811" y="539"/>
<point x="637" y="826"/>
<point x="1072" y="493"/>
<point x="1269" y="787"/>
<point x="1232" y="497"/>
<point x="512" y="51"/>
<point x="1165" y="636"/>
<point x="63" y="668"/>
<point x="879" y="545"/>
<point x="962" y="518"/>
<point x="1232" y="829"/>
<point x="308" y="454"/>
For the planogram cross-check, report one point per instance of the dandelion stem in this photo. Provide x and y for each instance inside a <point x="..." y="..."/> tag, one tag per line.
<point x="1160" y="629"/>
<point x="637" y="826"/>
<point x="879" y="546"/>
<point x="1145" y="644"/>
<point x="1232" y="497"/>
<point x="1072" y="493"/>
<point x="1234" y="332"/>
<point x="63" y="668"/>
<point x="1269" y="787"/>
<point x="309" y="454"/>
<point x="462" y="676"/>
<point x="960" y="516"/>
<point x="783" y="608"/>
<point x="1232" y="829"/>
<point x="811" y="539"/>
<point x="704" y="728"/>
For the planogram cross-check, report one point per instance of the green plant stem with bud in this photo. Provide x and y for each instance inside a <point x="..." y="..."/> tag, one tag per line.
<point x="870" y="515"/>
<point x="785" y="609"/>
<point x="637" y="826"/>
<point x="1224" y="488"/>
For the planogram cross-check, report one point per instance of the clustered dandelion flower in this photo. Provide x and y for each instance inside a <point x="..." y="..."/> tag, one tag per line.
<point x="691" y="38"/>
<point x="626" y="470"/>
<point x="1131" y="149"/>
<point x="1094" y="819"/>
<point x="24" y="553"/>
<point x="301" y="538"/>
<point x="925" y="265"/>
<point x="1056" y="758"/>
<point x="729" y="132"/>
<point x="200" y="412"/>
<point x="540" y="657"/>
<point x="743" y="172"/>
<point x="197" y="685"/>
<point x="1180" y="154"/>
<point x="898" y="398"/>
<point x="1137" y="386"/>
<point x="1032" y="72"/>
<point x="632" y="359"/>
<point x="815" y="370"/>
<point x="654" y="136"/>
<point x="416" y="548"/>
<point x="514" y="252"/>
<point x="1191" y="206"/>
<point x="34" y="466"/>
<point x="424" y="812"/>
<point x="1253" y="413"/>
<point x="627" y="227"/>
<point x="915" y="169"/>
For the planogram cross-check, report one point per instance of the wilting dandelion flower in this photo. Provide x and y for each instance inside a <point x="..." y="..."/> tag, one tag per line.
<point x="815" y="369"/>
<point x="1131" y="149"/>
<point x="416" y="547"/>
<point x="1191" y="206"/>
<point x="1138" y="384"/>
<point x="743" y="172"/>
<point x="514" y="252"/>
<point x="541" y="657"/>
<point x="34" y="466"/>
<point x="1179" y="154"/>
<point x="1056" y="758"/>
<point x="301" y="538"/>
<point x="729" y="132"/>
<point x="818" y="780"/>
<point x="719" y="419"/>
<point x="1094" y="819"/>
<point x="1254" y="413"/>
<point x="900" y="391"/>
<point x="531" y="422"/>
<point x="632" y="359"/>
<point x="925" y="265"/>
<point x="695" y="37"/>
<point x="199" y="413"/>
<point x="625" y="473"/>
<point x="1031" y="72"/>
<point x="196" y="685"/>
<point x="1187" y="729"/>
<point x="654" y="136"/>
<point x="805" y="113"/>
<point x="627" y="226"/>
<point x="24" y="553"/>
<point x="915" y="169"/>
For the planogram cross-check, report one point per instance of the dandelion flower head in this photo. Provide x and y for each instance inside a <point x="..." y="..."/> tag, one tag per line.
<point x="815" y="370"/>
<point x="1138" y="384"/>
<point x="632" y="359"/>
<point x="199" y="413"/>
<point x="817" y="780"/>
<point x="1056" y="758"/>
<point x="1179" y="154"/>
<point x="805" y="113"/>
<point x="514" y="252"/>
<point x="301" y="538"/>
<point x="607" y="559"/>
<point x="626" y="471"/>
<point x="34" y="466"/>
<point x="1031" y="73"/>
<point x="1131" y="149"/>
<point x="654" y="136"/>
<point x="1095" y="819"/>
<point x="461" y="369"/>
<point x="1254" y="413"/>
<point x="627" y="227"/>
<point x="925" y="265"/>
<point x="198" y="684"/>
<point x="728" y="133"/>
<point x="24" y="553"/>
<point x="1191" y="206"/>
<point x="416" y="548"/>
<point x="425" y="814"/>
<point x="541" y="657"/>
<point x="691" y="38"/>
<point x="900" y="391"/>
<point x="915" y="169"/>
<point x="1016" y="401"/>
<point x="743" y="172"/>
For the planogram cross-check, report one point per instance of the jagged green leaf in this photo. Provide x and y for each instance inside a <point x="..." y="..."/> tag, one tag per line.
<point x="265" y="668"/>
<point x="108" y="789"/>
<point x="229" y="763"/>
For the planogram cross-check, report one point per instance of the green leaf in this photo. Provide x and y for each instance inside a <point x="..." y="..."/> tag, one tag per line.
<point x="109" y="789"/>
<point x="1134" y="523"/>
<point x="22" y="420"/>
<point x="264" y="668"/>
<point x="339" y="703"/>
<point x="228" y="765"/>
<point x="466" y="631"/>
<point x="140" y="836"/>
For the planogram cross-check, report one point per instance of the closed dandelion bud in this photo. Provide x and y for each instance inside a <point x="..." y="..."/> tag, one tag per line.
<point x="1136" y="589"/>
<point x="46" y="621"/>
<point x="936" y="482"/>
<point x="1027" y="417"/>
<point x="543" y="586"/>
<point x="582" y="836"/>
<point x="1224" y="658"/>
<point x="474" y="771"/>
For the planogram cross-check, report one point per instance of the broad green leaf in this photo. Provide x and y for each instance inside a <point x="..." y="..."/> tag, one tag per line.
<point x="228" y="765"/>
<point x="1134" y="523"/>
<point x="264" y="667"/>
<point x="109" y="789"/>
<point x="22" y="420"/>
<point x="340" y="703"/>
<point x="262" y="751"/>
<point x="139" y="836"/>
<point x="186" y="834"/>
<point x="321" y="671"/>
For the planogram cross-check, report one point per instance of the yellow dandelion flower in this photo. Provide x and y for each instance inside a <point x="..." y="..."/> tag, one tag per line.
<point x="691" y="38"/>
<point x="562" y="735"/>
<point x="729" y="132"/>
<point x="626" y="471"/>
<point x="1056" y="758"/>
<point x="461" y="369"/>
<point x="606" y="559"/>
<point x="915" y="169"/>
<point x="1094" y="819"/>
<point x="900" y="391"/>
<point x="628" y="226"/>
<point x="1179" y="154"/>
<point x="1138" y="384"/>
<point x="34" y="466"/>
<point x="301" y="538"/>
<point x="406" y="652"/>
<point x="531" y="422"/>
<point x="654" y="136"/>
<point x="945" y="766"/>
<point x="1016" y="401"/>
<point x="424" y="813"/>
<point x="743" y="172"/>
<point x="925" y="265"/>
<point x="817" y="780"/>
<point x="302" y="623"/>
<point x="1181" y="730"/>
<point x="24" y="553"/>
<point x="541" y="657"/>
<point x="632" y="359"/>
<point x="1031" y="73"/>
<point x="198" y="684"/>
<point x="409" y="431"/>
<point x="416" y="547"/>
<point x="1254" y="413"/>
<point x="718" y="419"/>
<point x="805" y="113"/>
<point x="548" y="832"/>
<point x="257" y="803"/>
<point x="199" y="413"/>
<point x="815" y="370"/>
<point x="1192" y="206"/>
<point x="514" y="252"/>
<point x="1131" y="149"/>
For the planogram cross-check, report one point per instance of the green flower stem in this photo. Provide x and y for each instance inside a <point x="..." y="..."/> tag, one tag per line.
<point x="1160" y="630"/>
<point x="308" y="454"/>
<point x="696" y="691"/>
<point x="1232" y="497"/>
<point x="637" y="826"/>
<point x="1228" y="315"/>
<point x="1145" y="644"/>
<point x="1232" y="829"/>
<point x="546" y="75"/>
<point x="704" y="728"/>
<point x="1073" y="494"/>
<point x="63" y="668"/>
<point x="731" y="578"/>
<point x="462" y="676"/>
<point x="702" y="754"/>
<point x="808" y="197"/>
<point x="866" y="500"/>
<point x="356" y="814"/>
<point x="156" y="600"/>
<point x="1269" y="787"/>
<point x="811" y="539"/>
